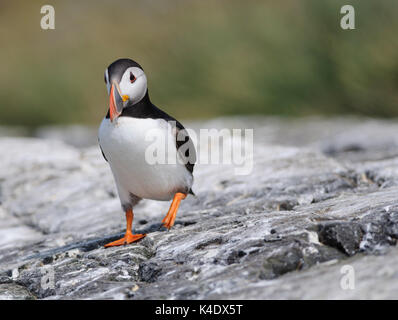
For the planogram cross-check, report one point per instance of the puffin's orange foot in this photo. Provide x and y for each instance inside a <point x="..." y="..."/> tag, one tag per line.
<point x="128" y="238"/>
<point x="169" y="219"/>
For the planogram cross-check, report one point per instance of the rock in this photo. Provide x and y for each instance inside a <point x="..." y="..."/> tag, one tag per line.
<point x="11" y="291"/>
<point x="311" y="206"/>
<point x="75" y="135"/>
<point x="148" y="272"/>
<point x="345" y="236"/>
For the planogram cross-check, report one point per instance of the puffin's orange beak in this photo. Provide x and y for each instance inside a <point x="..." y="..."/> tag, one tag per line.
<point x="116" y="102"/>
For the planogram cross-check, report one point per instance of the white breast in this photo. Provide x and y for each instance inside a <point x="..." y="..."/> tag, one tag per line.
<point x="125" y="143"/>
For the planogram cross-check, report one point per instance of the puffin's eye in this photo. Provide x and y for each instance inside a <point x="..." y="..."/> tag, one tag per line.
<point x="132" y="77"/>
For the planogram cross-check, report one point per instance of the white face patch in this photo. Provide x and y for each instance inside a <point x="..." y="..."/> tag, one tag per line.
<point x="135" y="90"/>
<point x="108" y="85"/>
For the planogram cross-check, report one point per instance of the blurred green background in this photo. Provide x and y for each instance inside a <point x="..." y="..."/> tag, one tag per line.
<point x="203" y="58"/>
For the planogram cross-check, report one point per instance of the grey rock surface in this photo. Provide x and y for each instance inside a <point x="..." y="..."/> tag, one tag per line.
<point x="322" y="196"/>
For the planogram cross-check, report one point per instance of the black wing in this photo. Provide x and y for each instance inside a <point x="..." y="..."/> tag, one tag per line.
<point x="185" y="147"/>
<point x="184" y="143"/>
<point x="102" y="151"/>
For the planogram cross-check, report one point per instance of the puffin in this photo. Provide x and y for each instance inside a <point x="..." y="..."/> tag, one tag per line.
<point x="124" y="138"/>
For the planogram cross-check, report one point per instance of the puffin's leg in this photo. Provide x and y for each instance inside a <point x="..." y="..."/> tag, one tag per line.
<point x="129" y="237"/>
<point x="169" y="219"/>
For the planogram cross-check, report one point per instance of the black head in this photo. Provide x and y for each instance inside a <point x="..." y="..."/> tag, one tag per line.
<point x="126" y="83"/>
<point x="117" y="68"/>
